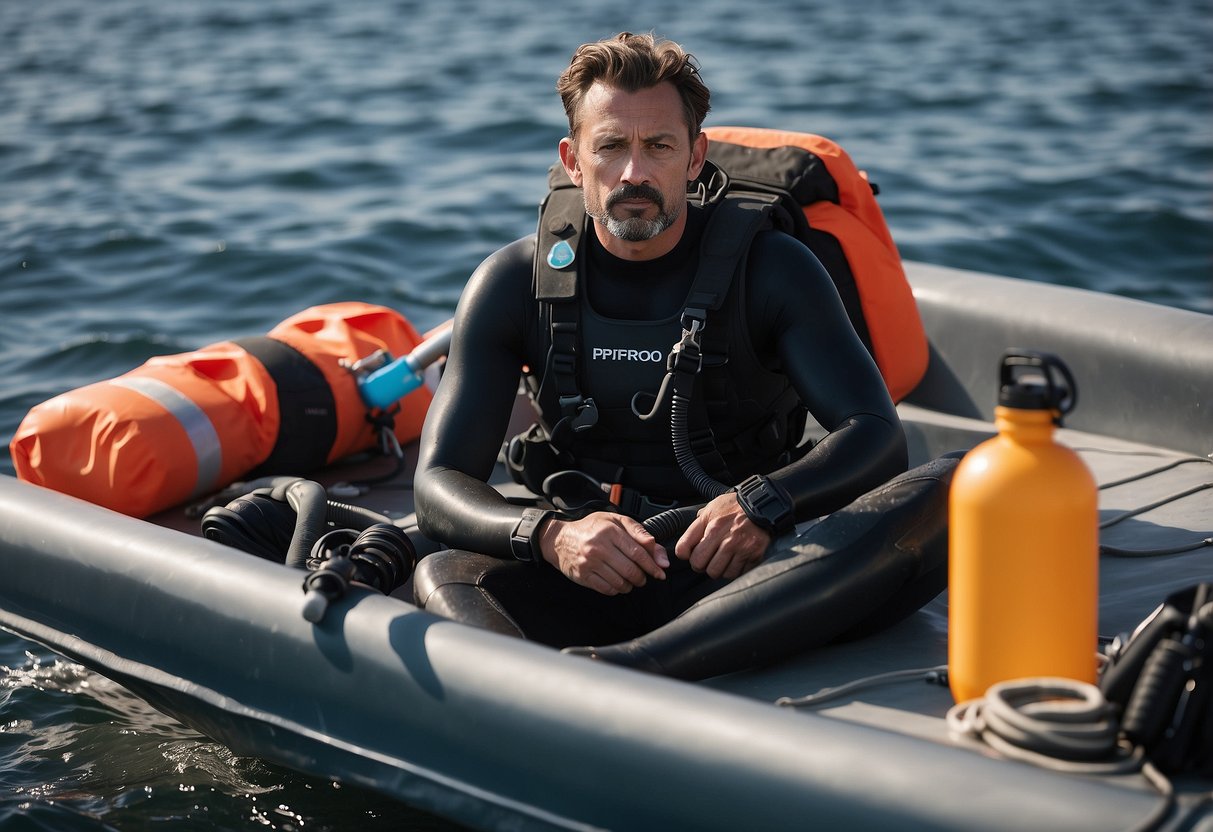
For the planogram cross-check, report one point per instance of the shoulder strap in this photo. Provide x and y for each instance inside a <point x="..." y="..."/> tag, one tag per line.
<point x="562" y="222"/>
<point x="731" y="227"/>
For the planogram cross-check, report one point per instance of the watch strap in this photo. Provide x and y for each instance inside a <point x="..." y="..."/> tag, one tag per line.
<point x="767" y="504"/>
<point x="523" y="544"/>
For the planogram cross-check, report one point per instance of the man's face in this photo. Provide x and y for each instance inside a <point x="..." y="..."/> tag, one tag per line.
<point x="633" y="157"/>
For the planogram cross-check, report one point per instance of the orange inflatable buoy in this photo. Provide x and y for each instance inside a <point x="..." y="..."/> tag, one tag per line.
<point x="182" y="426"/>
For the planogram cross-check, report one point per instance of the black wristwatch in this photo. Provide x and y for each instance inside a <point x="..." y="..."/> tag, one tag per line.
<point x="767" y="504"/>
<point x="522" y="540"/>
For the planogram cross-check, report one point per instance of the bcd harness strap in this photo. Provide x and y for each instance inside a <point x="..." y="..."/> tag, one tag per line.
<point x="557" y="243"/>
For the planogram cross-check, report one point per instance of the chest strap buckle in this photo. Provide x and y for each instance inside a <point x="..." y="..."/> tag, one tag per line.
<point x="584" y="412"/>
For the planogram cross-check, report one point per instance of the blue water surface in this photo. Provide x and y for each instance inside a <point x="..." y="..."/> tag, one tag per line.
<point x="174" y="174"/>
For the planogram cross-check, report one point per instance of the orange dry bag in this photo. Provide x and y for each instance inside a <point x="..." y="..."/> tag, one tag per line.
<point x="183" y="426"/>
<point x="846" y="230"/>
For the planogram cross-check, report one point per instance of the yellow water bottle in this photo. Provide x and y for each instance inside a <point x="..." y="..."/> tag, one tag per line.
<point x="1023" y="536"/>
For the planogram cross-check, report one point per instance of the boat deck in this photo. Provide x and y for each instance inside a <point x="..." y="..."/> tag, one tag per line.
<point x="1130" y="587"/>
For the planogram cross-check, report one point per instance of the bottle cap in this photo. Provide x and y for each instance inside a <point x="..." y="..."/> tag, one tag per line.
<point x="1031" y="380"/>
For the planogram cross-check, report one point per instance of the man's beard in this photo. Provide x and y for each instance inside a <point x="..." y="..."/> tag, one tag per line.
<point x="635" y="229"/>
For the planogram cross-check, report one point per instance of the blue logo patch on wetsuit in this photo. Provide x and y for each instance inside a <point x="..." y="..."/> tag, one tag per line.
<point x="561" y="256"/>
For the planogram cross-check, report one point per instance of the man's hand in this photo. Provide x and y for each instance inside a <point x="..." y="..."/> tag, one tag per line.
<point x="608" y="553"/>
<point x="722" y="541"/>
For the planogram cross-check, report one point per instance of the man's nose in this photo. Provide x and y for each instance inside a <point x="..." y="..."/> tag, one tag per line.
<point x="635" y="171"/>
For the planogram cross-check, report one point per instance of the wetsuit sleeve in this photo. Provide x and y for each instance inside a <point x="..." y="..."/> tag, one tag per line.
<point x="468" y="418"/>
<point x="798" y="326"/>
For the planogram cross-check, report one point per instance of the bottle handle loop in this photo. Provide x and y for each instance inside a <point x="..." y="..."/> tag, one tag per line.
<point x="1043" y="376"/>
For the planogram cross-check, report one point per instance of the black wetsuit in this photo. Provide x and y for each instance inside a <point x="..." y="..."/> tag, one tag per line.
<point x="797" y="327"/>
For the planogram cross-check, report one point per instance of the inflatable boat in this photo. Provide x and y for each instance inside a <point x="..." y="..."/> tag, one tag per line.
<point x="499" y="733"/>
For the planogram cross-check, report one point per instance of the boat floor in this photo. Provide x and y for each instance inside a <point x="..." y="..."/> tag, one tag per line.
<point x="1130" y="587"/>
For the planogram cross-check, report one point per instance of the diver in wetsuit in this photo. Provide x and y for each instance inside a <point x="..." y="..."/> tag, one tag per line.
<point x="635" y="109"/>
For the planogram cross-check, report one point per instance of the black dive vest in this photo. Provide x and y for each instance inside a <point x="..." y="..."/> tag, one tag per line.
<point x="744" y="418"/>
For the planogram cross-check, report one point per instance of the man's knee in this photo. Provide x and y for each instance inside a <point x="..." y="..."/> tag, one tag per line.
<point x="450" y="566"/>
<point x="451" y="584"/>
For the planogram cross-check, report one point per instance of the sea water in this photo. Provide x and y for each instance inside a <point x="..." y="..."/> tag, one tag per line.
<point x="174" y="174"/>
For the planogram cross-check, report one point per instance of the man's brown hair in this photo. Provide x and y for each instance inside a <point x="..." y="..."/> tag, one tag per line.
<point x="632" y="63"/>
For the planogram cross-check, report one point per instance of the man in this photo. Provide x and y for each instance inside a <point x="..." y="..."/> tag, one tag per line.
<point x="635" y="108"/>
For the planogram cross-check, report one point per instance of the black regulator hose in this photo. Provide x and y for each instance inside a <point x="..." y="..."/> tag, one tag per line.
<point x="682" y="365"/>
<point x="310" y="502"/>
<point x="313" y="511"/>
<point x="354" y="517"/>
<point x="704" y="483"/>
<point x="671" y="523"/>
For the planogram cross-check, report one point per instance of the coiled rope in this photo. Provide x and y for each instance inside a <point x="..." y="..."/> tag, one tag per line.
<point x="1059" y="724"/>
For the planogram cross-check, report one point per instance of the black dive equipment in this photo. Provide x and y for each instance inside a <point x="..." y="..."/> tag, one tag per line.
<point x="732" y="224"/>
<point x="1159" y="680"/>
<point x="292" y="521"/>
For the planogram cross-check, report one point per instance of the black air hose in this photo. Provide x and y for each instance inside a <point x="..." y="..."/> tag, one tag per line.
<point x="703" y="482"/>
<point x="353" y="517"/>
<point x="678" y="384"/>
<point x="670" y="524"/>
<point x="310" y="502"/>
<point x="314" y="510"/>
